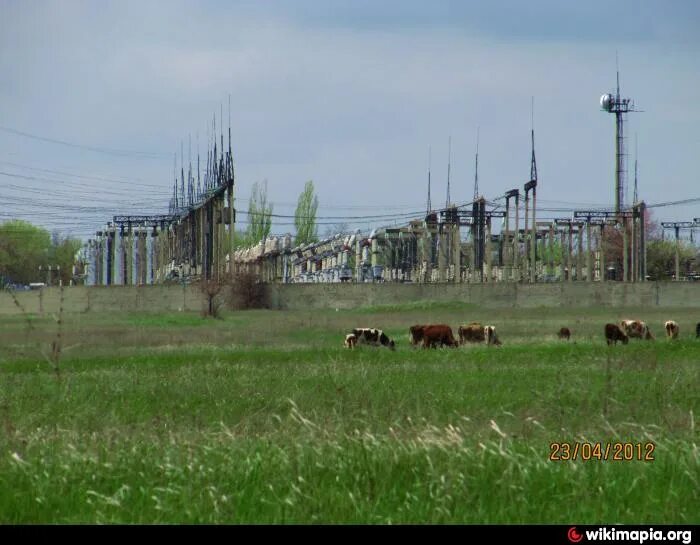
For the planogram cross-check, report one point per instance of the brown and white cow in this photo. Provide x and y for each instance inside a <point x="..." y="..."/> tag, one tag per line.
<point x="636" y="329"/>
<point x="672" y="329"/>
<point x="614" y="333"/>
<point x="415" y="334"/>
<point x="491" y="337"/>
<point x="350" y="340"/>
<point x="477" y="333"/>
<point x="373" y="337"/>
<point x="438" y="334"/>
<point x="471" y="333"/>
<point x="564" y="333"/>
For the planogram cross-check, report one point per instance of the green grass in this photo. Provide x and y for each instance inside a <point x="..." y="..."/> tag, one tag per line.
<point x="263" y="417"/>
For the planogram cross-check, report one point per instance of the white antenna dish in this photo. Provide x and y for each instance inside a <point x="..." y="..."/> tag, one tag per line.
<point x="606" y="102"/>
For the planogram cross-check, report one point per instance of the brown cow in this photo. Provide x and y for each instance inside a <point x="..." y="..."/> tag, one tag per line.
<point x="438" y="334"/>
<point x="564" y="333"/>
<point x="614" y="333"/>
<point x="672" y="329"/>
<point x="636" y="329"/>
<point x="415" y="334"/>
<point x="471" y="333"/>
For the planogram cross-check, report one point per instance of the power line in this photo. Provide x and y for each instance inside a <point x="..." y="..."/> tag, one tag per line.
<point x="674" y="203"/>
<point x="97" y="195"/>
<point x="84" y="176"/>
<point x="108" y="151"/>
<point x="375" y="216"/>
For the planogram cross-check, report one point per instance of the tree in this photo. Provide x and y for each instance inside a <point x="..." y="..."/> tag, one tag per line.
<point x="338" y="228"/>
<point x="613" y="243"/>
<point x="661" y="258"/>
<point x="23" y="248"/>
<point x="661" y="254"/>
<point x="240" y="239"/>
<point x="62" y="253"/>
<point x="259" y="214"/>
<point x="551" y="253"/>
<point x="305" y="215"/>
<point x="652" y="228"/>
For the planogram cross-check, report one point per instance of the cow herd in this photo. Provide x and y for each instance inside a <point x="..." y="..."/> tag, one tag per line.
<point x="636" y="329"/>
<point x="439" y="335"/>
<point x="426" y="335"/>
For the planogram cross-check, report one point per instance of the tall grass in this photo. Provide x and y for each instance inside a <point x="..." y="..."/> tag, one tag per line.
<point x="264" y="417"/>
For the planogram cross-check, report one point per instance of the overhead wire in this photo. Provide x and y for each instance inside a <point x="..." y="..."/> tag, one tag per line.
<point x="119" y="198"/>
<point x="107" y="151"/>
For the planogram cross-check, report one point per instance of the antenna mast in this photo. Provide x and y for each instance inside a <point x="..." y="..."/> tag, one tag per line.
<point x="429" y="158"/>
<point x="476" y="168"/>
<point x="635" y="200"/>
<point x="174" y="207"/>
<point x="190" y="180"/>
<point x="230" y="155"/>
<point x="182" y="174"/>
<point x="533" y="161"/>
<point x="619" y="106"/>
<point x="199" y="186"/>
<point x="449" y="160"/>
<point x="222" y="166"/>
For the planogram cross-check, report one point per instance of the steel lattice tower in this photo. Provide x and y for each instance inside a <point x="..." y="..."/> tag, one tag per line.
<point x="619" y="106"/>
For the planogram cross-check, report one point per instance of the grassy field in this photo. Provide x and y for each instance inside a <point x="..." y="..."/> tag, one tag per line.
<point x="263" y="417"/>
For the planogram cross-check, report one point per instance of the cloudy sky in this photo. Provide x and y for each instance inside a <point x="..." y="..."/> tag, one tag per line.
<point x="350" y="94"/>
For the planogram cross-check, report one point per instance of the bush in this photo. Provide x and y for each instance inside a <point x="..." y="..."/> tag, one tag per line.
<point x="211" y="289"/>
<point x="247" y="291"/>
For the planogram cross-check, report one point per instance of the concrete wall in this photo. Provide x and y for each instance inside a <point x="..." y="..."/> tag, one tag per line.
<point x="155" y="298"/>
<point x="162" y="298"/>
<point x="613" y="294"/>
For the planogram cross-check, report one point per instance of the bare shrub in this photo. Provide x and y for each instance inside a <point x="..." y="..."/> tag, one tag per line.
<point x="25" y="314"/>
<point x="211" y="289"/>
<point x="54" y="358"/>
<point x="247" y="291"/>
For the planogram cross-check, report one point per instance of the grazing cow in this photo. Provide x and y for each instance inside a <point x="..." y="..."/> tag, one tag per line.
<point x="672" y="329"/>
<point x="373" y="337"/>
<point x="415" y="334"/>
<point x="636" y="329"/>
<point x="438" y="334"/>
<point x="614" y="333"/>
<point x="491" y="337"/>
<point x="477" y="333"/>
<point x="471" y="333"/>
<point x="697" y="330"/>
<point x="564" y="333"/>
<point x="350" y="340"/>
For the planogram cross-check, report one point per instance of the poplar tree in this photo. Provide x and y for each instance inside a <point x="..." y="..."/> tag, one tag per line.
<point x="259" y="214"/>
<point x="305" y="215"/>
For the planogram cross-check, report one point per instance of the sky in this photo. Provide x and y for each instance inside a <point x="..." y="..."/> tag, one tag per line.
<point x="97" y="97"/>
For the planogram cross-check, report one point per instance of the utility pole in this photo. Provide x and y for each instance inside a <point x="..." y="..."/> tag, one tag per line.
<point x="512" y="194"/>
<point x="531" y="186"/>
